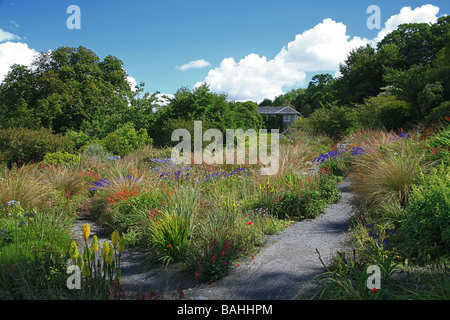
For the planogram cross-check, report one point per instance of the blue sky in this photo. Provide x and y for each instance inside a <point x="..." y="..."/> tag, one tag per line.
<point x="247" y="49"/>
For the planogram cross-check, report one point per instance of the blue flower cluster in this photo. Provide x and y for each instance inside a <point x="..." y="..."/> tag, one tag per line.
<point x="224" y="174"/>
<point x="386" y="244"/>
<point x="403" y="135"/>
<point x="169" y="168"/>
<point x="338" y="152"/>
<point x="114" y="158"/>
<point x="100" y="184"/>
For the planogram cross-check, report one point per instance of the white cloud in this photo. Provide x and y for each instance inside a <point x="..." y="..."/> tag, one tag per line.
<point x="424" y="14"/>
<point x="196" y="64"/>
<point x="14" y="53"/>
<point x="6" y="36"/>
<point x="132" y="81"/>
<point x="319" y="49"/>
<point x="256" y="78"/>
<point x="163" y="98"/>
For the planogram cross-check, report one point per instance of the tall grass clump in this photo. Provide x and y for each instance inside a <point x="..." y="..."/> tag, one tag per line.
<point x="170" y="231"/>
<point x="385" y="173"/>
<point x="25" y="185"/>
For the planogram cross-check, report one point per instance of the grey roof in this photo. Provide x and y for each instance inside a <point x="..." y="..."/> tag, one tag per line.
<point x="277" y="110"/>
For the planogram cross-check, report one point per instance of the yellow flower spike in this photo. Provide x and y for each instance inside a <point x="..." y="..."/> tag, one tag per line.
<point x="110" y="256"/>
<point x="73" y="251"/>
<point x="105" y="249"/>
<point x="94" y="245"/>
<point x="115" y="238"/>
<point x="121" y="246"/>
<point x="86" y="231"/>
<point x="86" y="254"/>
<point x="79" y="262"/>
<point x="86" y="271"/>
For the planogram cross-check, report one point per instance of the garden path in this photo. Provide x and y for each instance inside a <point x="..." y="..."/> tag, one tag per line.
<point x="283" y="269"/>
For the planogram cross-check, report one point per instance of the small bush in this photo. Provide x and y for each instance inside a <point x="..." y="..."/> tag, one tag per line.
<point x="427" y="224"/>
<point x="335" y="122"/>
<point x="394" y="114"/>
<point x="96" y="151"/>
<point x="80" y="139"/>
<point x="20" y="145"/>
<point x="61" y="158"/>
<point x="126" y="139"/>
<point x="212" y="262"/>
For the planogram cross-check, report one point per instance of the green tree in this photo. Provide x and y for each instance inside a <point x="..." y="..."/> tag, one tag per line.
<point x="418" y="43"/>
<point x="199" y="104"/>
<point x="63" y="89"/>
<point x="244" y="115"/>
<point x="407" y="84"/>
<point x="318" y="94"/>
<point x="361" y="76"/>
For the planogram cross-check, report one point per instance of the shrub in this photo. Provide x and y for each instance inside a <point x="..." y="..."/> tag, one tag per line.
<point x="335" y="122"/>
<point x="19" y="145"/>
<point x="41" y="276"/>
<point x="427" y="224"/>
<point x="79" y="139"/>
<point x="438" y="146"/>
<point x="96" y="151"/>
<point x="61" y="158"/>
<point x="438" y="114"/>
<point x="394" y="114"/>
<point x="126" y="139"/>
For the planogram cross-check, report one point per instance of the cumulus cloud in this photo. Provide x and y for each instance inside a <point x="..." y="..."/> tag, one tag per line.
<point x="424" y="14"/>
<point x="132" y="81"/>
<point x="196" y="64"/>
<point x="7" y="36"/>
<point x="319" y="49"/>
<point x="14" y="53"/>
<point x="255" y="78"/>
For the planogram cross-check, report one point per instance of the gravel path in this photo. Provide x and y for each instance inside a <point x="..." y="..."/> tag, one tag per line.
<point x="281" y="270"/>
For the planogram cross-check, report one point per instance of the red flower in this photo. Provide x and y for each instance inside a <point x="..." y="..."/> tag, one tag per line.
<point x="277" y="199"/>
<point x="374" y="290"/>
<point x="250" y="223"/>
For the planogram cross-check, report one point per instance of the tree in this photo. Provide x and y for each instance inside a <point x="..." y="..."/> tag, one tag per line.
<point x="361" y="76"/>
<point x="407" y="84"/>
<point x="418" y="43"/>
<point x="63" y="89"/>
<point x="317" y="95"/>
<point x="245" y="115"/>
<point x="199" y="104"/>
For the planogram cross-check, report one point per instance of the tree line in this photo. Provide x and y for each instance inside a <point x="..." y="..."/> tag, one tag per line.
<point x="72" y="92"/>
<point x="403" y="81"/>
